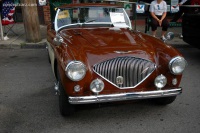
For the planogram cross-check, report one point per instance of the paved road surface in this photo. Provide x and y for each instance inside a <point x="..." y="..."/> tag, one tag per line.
<point x="28" y="104"/>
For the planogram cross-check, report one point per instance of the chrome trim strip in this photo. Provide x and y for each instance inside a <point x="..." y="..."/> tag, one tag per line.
<point x="129" y="21"/>
<point x="124" y="96"/>
<point x="123" y="52"/>
<point x="56" y="22"/>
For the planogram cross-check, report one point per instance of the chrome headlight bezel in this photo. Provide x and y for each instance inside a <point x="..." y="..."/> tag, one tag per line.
<point x="71" y="71"/>
<point x="160" y="81"/>
<point x="96" y="86"/>
<point x="177" y="65"/>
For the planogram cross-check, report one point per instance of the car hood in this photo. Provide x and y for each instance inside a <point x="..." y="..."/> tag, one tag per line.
<point x="100" y="44"/>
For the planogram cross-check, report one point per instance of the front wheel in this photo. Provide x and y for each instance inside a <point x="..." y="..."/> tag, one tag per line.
<point x="49" y="60"/>
<point x="164" y="100"/>
<point x="66" y="108"/>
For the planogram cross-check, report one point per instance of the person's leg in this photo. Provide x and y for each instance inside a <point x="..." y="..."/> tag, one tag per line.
<point x="165" y="25"/>
<point x="177" y="15"/>
<point x="163" y="33"/>
<point x="154" y="24"/>
<point x="154" y="33"/>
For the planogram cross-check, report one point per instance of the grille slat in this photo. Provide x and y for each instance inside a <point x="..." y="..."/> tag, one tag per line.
<point x="128" y="72"/>
<point x="133" y="70"/>
<point x="109" y="70"/>
<point x="124" y="71"/>
<point x="141" y="70"/>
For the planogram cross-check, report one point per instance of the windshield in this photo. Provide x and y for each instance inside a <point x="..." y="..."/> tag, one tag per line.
<point x="91" y="15"/>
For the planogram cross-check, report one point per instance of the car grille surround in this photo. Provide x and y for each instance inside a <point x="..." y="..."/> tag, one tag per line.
<point x="125" y="72"/>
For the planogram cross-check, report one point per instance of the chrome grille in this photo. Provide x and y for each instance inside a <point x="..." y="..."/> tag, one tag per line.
<point x="133" y="70"/>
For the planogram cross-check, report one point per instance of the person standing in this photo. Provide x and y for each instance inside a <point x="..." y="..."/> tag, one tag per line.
<point x="181" y="11"/>
<point x="158" y="11"/>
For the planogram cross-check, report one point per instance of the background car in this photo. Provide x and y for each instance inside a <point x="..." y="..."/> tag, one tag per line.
<point x="97" y="57"/>
<point x="191" y="24"/>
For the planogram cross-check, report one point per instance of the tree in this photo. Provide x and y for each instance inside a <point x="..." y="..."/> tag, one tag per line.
<point x="31" y="20"/>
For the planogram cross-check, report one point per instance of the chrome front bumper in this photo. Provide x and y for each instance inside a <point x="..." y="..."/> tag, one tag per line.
<point x="124" y="96"/>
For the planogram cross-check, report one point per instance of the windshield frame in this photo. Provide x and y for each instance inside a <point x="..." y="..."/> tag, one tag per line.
<point x="88" y="23"/>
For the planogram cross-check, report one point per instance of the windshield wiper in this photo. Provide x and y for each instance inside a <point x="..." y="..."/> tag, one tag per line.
<point x="90" y="20"/>
<point x="120" y="22"/>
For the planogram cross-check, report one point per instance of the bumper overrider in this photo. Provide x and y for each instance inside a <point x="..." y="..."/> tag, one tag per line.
<point x="124" y="96"/>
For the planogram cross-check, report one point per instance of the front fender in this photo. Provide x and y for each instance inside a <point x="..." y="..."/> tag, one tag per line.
<point x="52" y="57"/>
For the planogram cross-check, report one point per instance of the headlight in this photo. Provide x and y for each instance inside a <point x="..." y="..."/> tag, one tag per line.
<point x="170" y="36"/>
<point x="97" y="86"/>
<point x="75" y="70"/>
<point x="160" y="81"/>
<point x="177" y="65"/>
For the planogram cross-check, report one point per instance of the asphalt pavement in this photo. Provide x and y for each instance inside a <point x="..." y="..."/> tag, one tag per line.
<point x="28" y="103"/>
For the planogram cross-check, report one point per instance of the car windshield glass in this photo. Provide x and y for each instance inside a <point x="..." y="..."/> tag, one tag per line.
<point x="94" y="15"/>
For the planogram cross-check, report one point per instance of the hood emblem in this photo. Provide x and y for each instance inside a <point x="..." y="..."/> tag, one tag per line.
<point x="119" y="80"/>
<point x="122" y="52"/>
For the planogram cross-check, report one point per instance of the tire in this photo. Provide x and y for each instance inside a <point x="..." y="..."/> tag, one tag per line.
<point x="49" y="60"/>
<point x="164" y="100"/>
<point x="66" y="109"/>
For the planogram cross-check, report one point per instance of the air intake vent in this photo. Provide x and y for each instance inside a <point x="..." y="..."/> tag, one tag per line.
<point x="125" y="72"/>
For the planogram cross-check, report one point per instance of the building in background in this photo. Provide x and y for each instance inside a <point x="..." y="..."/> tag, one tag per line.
<point x="46" y="7"/>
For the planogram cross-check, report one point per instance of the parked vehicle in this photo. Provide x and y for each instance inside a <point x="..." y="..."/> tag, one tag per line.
<point x="97" y="57"/>
<point x="191" y="24"/>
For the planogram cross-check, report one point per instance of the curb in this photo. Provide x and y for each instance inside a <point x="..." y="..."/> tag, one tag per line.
<point x="39" y="45"/>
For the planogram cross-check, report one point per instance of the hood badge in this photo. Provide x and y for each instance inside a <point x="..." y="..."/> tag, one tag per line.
<point x="119" y="80"/>
<point x="123" y="52"/>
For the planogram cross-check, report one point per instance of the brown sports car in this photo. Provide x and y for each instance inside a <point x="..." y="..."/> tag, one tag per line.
<point x="97" y="57"/>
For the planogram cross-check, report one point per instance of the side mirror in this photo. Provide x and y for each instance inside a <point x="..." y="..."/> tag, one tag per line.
<point x="170" y="36"/>
<point x="58" y="40"/>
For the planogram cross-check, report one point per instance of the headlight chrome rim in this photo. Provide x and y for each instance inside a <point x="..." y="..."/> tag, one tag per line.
<point x="178" y="58"/>
<point x="92" y="85"/>
<point x="67" y="69"/>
